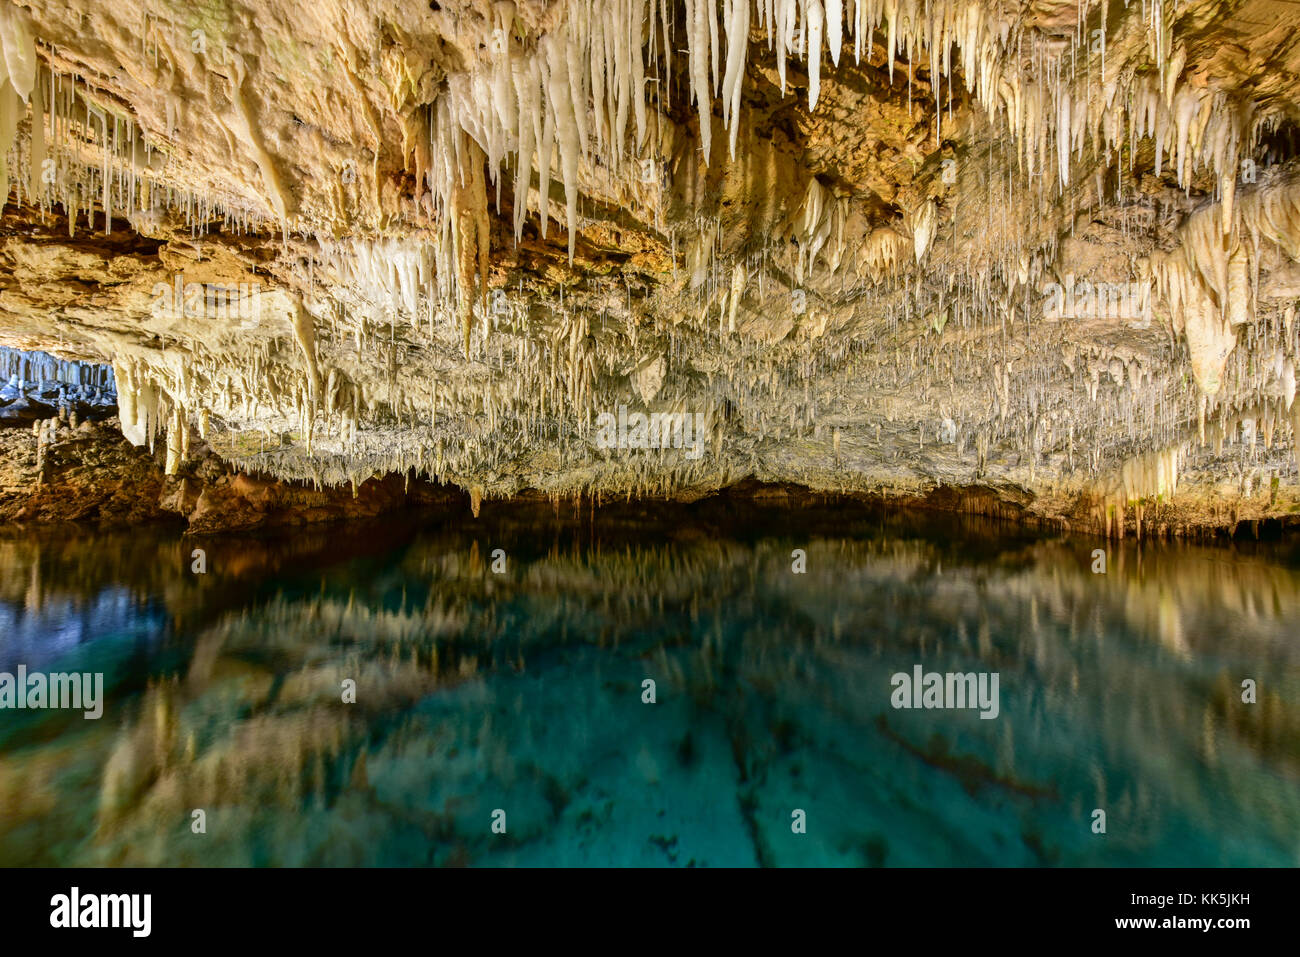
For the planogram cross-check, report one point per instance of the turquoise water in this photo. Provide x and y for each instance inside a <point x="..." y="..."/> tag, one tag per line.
<point x="521" y="691"/>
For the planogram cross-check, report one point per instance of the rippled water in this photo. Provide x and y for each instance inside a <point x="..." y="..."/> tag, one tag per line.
<point x="522" y="692"/>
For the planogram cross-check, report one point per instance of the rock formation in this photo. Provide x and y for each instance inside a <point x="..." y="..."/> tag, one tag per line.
<point x="1049" y="246"/>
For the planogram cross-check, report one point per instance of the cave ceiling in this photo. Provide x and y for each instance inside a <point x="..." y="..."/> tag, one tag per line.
<point x="869" y="244"/>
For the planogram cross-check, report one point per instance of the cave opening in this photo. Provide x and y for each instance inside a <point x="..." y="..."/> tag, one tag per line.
<point x="38" y="386"/>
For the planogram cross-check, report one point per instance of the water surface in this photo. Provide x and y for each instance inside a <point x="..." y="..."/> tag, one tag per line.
<point x="522" y="691"/>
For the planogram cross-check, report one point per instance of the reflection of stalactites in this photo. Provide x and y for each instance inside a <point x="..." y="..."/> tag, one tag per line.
<point x="142" y="754"/>
<point x="1169" y="625"/>
<point x="1269" y="727"/>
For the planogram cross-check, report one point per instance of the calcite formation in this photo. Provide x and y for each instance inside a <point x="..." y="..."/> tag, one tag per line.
<point x="870" y="243"/>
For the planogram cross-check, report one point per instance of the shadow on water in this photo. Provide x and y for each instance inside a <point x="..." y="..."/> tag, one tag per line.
<point x="515" y="681"/>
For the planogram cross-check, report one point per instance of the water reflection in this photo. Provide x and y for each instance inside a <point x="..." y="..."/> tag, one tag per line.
<point x="522" y="691"/>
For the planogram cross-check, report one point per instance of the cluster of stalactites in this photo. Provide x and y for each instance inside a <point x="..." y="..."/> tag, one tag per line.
<point x="385" y="276"/>
<point x="1153" y="475"/>
<point x="173" y="393"/>
<point x="1210" y="281"/>
<point x="583" y="96"/>
<point x="580" y="91"/>
<point x="92" y="160"/>
<point x="573" y="92"/>
<point x="141" y="405"/>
